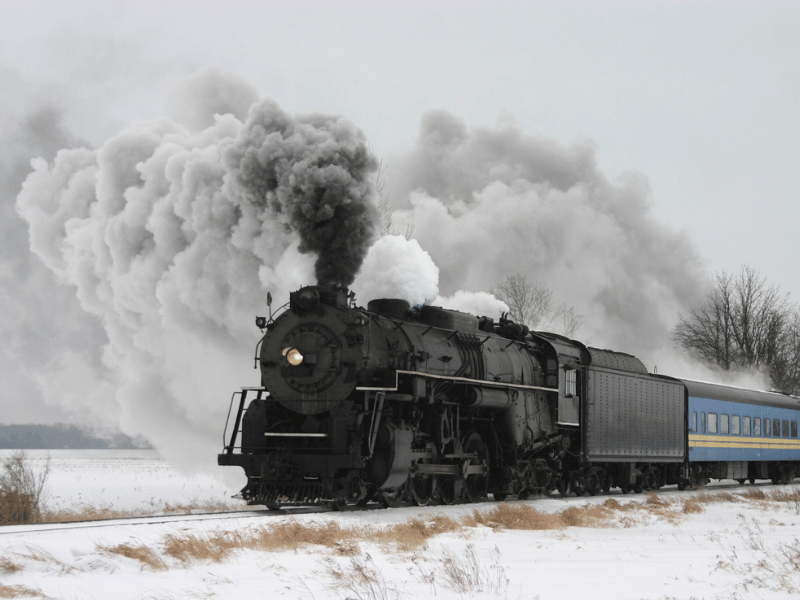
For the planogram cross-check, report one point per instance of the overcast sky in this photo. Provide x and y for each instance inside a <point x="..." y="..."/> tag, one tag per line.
<point x="701" y="98"/>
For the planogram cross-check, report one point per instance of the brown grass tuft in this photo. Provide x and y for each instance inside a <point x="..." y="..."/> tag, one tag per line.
<point x="784" y="496"/>
<point x="591" y="515"/>
<point x="141" y="553"/>
<point x="692" y="506"/>
<point x="86" y="512"/>
<point x="7" y="566"/>
<point x="518" y="516"/>
<point x="753" y="494"/>
<point x="415" y="532"/>
<point x="292" y="535"/>
<point x="19" y="591"/>
<point x="654" y="499"/>
<point x="716" y="498"/>
<point x="194" y="547"/>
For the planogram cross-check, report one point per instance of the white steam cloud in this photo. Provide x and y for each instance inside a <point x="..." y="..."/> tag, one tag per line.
<point x="172" y="233"/>
<point x="173" y="236"/>
<point x="486" y="203"/>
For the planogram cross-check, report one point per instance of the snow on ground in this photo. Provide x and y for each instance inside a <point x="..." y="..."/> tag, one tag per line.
<point x="126" y="481"/>
<point x="738" y="548"/>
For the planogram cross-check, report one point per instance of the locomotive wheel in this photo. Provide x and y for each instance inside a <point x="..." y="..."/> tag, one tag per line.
<point x="565" y="484"/>
<point x="607" y="482"/>
<point x="592" y="482"/>
<point x="447" y="490"/>
<point x="423" y="489"/>
<point x="338" y="504"/>
<point x="476" y="485"/>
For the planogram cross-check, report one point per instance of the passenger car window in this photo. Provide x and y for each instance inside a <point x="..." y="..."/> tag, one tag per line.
<point x="781" y="428"/>
<point x="735" y="424"/>
<point x="703" y="422"/>
<point x="757" y="426"/>
<point x="745" y="425"/>
<point x="694" y="421"/>
<point x="723" y="423"/>
<point x="794" y="429"/>
<point x="767" y="428"/>
<point x="712" y="422"/>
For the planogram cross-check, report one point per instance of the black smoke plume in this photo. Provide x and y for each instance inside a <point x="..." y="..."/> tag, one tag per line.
<point x="313" y="173"/>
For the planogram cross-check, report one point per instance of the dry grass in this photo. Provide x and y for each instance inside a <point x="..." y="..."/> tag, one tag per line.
<point x="468" y="573"/>
<point x="415" y="533"/>
<point x="86" y="512"/>
<point x="784" y="496"/>
<point x="518" y="516"/>
<point x="360" y="579"/>
<point x="19" y="591"/>
<point x="45" y="557"/>
<point x="718" y="497"/>
<point x="21" y="490"/>
<point x="147" y="556"/>
<point x="214" y="547"/>
<point x="7" y="566"/>
<point x="753" y="493"/>
<point x="692" y="506"/>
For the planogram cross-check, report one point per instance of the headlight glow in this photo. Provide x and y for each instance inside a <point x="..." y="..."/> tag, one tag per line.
<point x="293" y="356"/>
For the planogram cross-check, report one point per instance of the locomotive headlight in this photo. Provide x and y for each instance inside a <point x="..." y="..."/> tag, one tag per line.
<point x="293" y="356"/>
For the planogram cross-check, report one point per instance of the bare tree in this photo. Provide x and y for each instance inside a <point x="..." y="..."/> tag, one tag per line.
<point x="566" y="319"/>
<point x="744" y="323"/>
<point x="385" y="207"/>
<point x="532" y="305"/>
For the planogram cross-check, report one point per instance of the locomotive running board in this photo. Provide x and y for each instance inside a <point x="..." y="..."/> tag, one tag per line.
<point x="478" y="382"/>
<point x="309" y="435"/>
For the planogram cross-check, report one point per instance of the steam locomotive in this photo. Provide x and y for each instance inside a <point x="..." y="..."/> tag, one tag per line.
<point x="423" y="404"/>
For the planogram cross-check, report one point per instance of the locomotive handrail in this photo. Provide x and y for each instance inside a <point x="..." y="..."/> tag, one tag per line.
<point x="377" y="410"/>
<point x="229" y="448"/>
<point x="484" y="382"/>
<point x="243" y="391"/>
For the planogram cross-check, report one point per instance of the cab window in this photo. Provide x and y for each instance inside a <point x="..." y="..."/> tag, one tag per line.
<point x="570" y="383"/>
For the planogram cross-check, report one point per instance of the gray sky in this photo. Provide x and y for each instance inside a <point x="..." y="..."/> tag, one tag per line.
<point x="702" y="98"/>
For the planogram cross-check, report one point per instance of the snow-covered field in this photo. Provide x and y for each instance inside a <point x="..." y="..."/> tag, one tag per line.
<point x="127" y="481"/>
<point x="740" y="546"/>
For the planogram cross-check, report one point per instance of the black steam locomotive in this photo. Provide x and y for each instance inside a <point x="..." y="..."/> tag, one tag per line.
<point x="423" y="404"/>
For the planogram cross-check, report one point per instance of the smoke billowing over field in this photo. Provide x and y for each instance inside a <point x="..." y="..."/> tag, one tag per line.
<point x="170" y="235"/>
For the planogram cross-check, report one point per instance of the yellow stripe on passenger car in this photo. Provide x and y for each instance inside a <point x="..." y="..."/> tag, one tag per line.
<point x="717" y="441"/>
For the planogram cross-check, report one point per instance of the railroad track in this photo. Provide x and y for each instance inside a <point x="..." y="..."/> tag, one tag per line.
<point x="310" y="510"/>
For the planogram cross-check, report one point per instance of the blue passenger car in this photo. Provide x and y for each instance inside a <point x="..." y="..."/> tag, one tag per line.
<point x="734" y="432"/>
